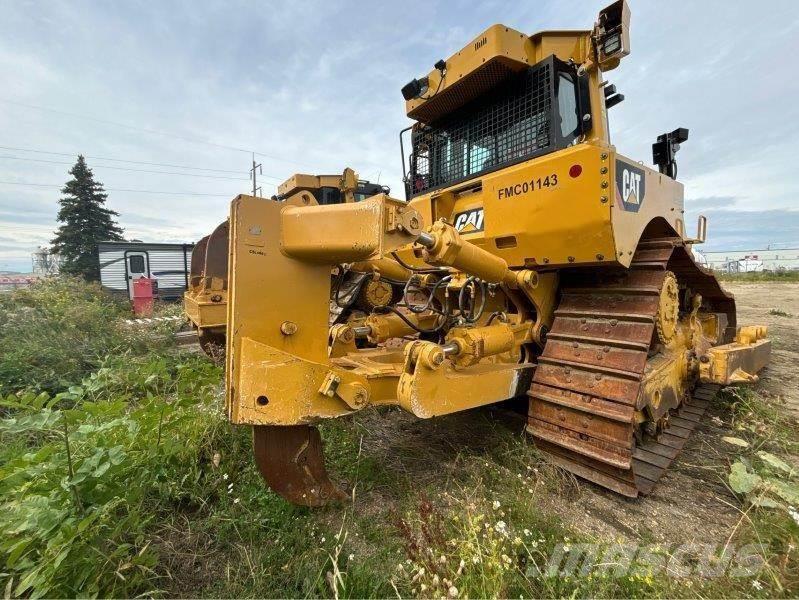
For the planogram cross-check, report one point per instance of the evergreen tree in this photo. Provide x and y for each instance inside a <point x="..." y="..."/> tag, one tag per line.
<point x="85" y="222"/>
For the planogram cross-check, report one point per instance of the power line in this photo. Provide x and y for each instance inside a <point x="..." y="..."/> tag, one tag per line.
<point x="185" y="138"/>
<point x="135" y="162"/>
<point x="58" y="162"/>
<point x="54" y="185"/>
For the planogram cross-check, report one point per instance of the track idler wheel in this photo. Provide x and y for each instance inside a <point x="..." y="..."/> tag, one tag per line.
<point x="291" y="461"/>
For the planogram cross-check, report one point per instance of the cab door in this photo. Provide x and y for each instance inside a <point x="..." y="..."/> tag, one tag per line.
<point x="137" y="265"/>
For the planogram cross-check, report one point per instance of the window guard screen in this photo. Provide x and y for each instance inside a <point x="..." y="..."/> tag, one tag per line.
<point x="513" y="122"/>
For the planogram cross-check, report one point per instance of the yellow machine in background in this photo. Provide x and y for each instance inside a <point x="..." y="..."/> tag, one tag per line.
<point x="534" y="260"/>
<point x="205" y="300"/>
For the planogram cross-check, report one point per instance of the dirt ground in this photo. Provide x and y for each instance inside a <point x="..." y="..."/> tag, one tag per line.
<point x="755" y="301"/>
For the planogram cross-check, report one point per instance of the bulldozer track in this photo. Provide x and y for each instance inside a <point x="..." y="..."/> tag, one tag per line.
<point x="585" y="392"/>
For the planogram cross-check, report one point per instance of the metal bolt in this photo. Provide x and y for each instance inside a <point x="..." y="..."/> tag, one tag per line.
<point x="604" y="156"/>
<point x="600" y="257"/>
<point x="603" y="170"/>
<point x="604" y="199"/>
<point x="571" y="259"/>
<point x="604" y="184"/>
<point x="288" y="328"/>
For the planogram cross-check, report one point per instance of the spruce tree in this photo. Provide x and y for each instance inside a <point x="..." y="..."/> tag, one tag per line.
<point x="85" y="222"/>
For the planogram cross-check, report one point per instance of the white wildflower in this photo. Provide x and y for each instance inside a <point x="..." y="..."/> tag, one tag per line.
<point x="501" y="526"/>
<point x="225" y="476"/>
<point x="757" y="585"/>
<point x="496" y="504"/>
<point x="443" y="559"/>
<point x="527" y="532"/>
<point x="452" y="592"/>
<point x="236" y="501"/>
<point x="351" y="557"/>
<point x="323" y="539"/>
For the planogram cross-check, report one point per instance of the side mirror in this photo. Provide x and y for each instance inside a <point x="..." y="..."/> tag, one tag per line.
<point x="612" y="35"/>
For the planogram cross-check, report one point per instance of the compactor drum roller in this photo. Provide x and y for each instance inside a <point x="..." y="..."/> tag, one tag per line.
<point x="530" y="260"/>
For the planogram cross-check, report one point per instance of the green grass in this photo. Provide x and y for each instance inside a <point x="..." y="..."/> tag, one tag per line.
<point x="120" y="476"/>
<point x="779" y="276"/>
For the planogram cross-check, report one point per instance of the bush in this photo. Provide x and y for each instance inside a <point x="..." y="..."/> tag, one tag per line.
<point x="102" y="459"/>
<point x="60" y="329"/>
<point x="103" y="434"/>
<point x="55" y="332"/>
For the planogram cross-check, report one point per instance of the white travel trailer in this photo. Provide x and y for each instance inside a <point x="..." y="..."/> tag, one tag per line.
<point x="121" y="263"/>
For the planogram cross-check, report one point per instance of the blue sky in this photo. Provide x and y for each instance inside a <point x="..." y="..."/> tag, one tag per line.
<point x="313" y="86"/>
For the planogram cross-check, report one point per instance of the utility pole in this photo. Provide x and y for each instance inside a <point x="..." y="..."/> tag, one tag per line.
<point x="255" y="187"/>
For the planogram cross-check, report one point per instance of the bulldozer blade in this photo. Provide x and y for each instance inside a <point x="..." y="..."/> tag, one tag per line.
<point x="291" y="461"/>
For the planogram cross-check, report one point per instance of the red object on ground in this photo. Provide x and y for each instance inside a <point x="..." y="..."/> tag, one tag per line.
<point x="144" y="293"/>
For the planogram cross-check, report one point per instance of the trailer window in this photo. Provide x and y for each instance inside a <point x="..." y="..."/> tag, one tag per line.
<point x="136" y="263"/>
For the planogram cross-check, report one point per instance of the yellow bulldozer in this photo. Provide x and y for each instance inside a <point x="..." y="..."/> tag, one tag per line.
<point x="533" y="260"/>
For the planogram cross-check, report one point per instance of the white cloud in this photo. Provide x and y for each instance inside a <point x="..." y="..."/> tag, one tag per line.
<point x="315" y="85"/>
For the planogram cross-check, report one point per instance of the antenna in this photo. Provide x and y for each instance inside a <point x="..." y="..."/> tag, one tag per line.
<point x="255" y="187"/>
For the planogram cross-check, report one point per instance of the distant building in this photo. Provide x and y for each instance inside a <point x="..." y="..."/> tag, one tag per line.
<point x="123" y="262"/>
<point x="740" y="261"/>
